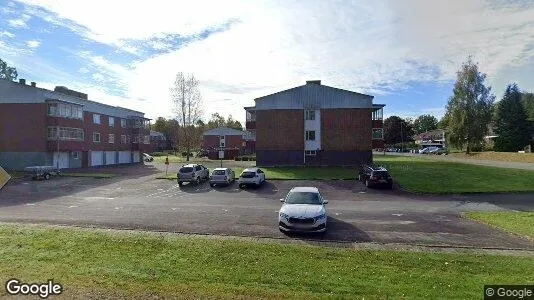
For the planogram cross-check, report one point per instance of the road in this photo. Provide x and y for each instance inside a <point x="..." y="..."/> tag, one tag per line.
<point x="356" y="214"/>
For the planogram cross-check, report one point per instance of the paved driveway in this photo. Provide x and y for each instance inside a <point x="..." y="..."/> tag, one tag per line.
<point x="356" y="214"/>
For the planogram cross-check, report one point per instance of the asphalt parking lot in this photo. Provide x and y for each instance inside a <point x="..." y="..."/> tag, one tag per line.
<point x="136" y="200"/>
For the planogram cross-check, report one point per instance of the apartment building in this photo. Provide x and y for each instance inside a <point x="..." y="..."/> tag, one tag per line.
<point x="228" y="140"/>
<point x="65" y="129"/>
<point x="314" y="124"/>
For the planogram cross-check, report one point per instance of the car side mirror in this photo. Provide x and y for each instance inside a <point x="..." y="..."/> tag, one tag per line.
<point x="325" y="201"/>
<point x="282" y="200"/>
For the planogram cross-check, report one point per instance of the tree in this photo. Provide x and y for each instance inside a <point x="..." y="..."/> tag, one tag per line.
<point x="469" y="108"/>
<point x="425" y="123"/>
<point x="231" y="123"/>
<point x="7" y="72"/>
<point x="527" y="99"/>
<point x="511" y="125"/>
<point x="397" y="130"/>
<point x="443" y="123"/>
<point x="216" y="121"/>
<point x="187" y="101"/>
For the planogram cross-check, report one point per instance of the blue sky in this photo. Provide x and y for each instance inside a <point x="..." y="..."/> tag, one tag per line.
<point x="405" y="53"/>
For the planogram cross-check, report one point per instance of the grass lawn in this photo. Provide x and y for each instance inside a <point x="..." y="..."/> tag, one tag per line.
<point x="127" y="264"/>
<point x="498" y="156"/>
<point x="521" y="223"/>
<point x="92" y="175"/>
<point x="437" y="177"/>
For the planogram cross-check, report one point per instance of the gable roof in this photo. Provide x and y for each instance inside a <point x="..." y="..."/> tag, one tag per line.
<point x="224" y="131"/>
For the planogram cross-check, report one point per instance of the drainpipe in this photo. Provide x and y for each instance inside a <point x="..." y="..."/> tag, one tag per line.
<point x="57" y="144"/>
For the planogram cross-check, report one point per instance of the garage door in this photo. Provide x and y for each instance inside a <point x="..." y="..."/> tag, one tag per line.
<point x="63" y="160"/>
<point x="110" y="158"/>
<point x="136" y="156"/>
<point x="125" y="157"/>
<point x="97" y="158"/>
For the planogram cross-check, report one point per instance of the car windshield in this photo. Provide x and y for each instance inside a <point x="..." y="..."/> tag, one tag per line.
<point x="219" y="172"/>
<point x="248" y="174"/>
<point x="303" y="198"/>
<point x="186" y="170"/>
<point x="380" y="174"/>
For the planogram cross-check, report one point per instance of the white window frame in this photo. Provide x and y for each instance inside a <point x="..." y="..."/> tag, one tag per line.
<point x="75" y="154"/>
<point x="377" y="138"/>
<point x="146" y="140"/>
<point x="123" y="138"/>
<point x="111" y="121"/>
<point x="310" y="152"/>
<point x="95" y="134"/>
<point x="308" y="114"/>
<point x="111" y="138"/>
<point x="96" y="119"/>
<point x="123" y="123"/>
<point x="307" y="135"/>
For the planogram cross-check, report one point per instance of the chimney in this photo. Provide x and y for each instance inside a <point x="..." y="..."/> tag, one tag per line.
<point x="22" y="81"/>
<point x="34" y="84"/>
<point x="313" y="82"/>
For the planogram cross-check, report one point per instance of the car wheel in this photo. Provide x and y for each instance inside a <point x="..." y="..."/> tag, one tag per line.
<point x="240" y="186"/>
<point x="46" y="176"/>
<point x="212" y="184"/>
<point x="180" y="183"/>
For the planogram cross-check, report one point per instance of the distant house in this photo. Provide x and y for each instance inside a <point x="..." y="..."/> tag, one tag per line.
<point x="431" y="138"/>
<point x="231" y="141"/>
<point x="158" y="141"/>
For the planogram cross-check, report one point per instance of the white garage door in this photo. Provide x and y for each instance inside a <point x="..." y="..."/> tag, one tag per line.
<point x="110" y="158"/>
<point x="97" y="158"/>
<point x="63" y="160"/>
<point x="136" y="156"/>
<point x="125" y="157"/>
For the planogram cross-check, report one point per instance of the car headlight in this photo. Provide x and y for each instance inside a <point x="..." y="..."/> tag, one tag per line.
<point x="320" y="217"/>
<point x="285" y="216"/>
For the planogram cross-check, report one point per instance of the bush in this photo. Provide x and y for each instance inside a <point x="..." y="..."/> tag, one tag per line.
<point x="159" y="154"/>
<point x="237" y="158"/>
<point x="184" y="154"/>
<point x="244" y="158"/>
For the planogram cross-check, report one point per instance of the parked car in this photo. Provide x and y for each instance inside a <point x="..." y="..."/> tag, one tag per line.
<point x="427" y="150"/>
<point x="374" y="175"/>
<point x="193" y="173"/>
<point x="439" y="151"/>
<point x="222" y="176"/>
<point x="303" y="210"/>
<point x="41" y="172"/>
<point x="147" y="157"/>
<point x="251" y="176"/>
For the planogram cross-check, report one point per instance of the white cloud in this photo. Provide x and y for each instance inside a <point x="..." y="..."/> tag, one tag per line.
<point x="7" y="33"/>
<point x="375" y="47"/>
<point x="33" y="44"/>
<point x="20" y="22"/>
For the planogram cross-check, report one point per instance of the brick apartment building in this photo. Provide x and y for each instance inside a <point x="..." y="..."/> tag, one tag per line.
<point x="63" y="128"/>
<point x="315" y="124"/>
<point x="232" y="140"/>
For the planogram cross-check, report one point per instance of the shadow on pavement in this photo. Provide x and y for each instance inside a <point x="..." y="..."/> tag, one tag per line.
<point x="337" y="230"/>
<point x="267" y="188"/>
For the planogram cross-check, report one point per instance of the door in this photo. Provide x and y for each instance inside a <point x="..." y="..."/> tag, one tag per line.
<point x="136" y="157"/>
<point x="110" y="158"/>
<point x="97" y="158"/>
<point x="63" y="160"/>
<point x="125" y="157"/>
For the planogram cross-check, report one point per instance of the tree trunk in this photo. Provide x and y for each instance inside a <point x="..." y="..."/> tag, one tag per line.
<point x="468" y="149"/>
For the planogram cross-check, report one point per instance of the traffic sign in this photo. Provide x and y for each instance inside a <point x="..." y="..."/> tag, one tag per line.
<point x="4" y="177"/>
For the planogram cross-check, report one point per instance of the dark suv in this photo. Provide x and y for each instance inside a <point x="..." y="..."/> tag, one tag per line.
<point x="373" y="175"/>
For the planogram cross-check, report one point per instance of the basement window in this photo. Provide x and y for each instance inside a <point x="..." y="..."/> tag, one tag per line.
<point x="310" y="152"/>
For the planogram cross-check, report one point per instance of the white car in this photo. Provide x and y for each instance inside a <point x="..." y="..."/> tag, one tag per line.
<point x="303" y="210"/>
<point x="222" y="176"/>
<point x="147" y="157"/>
<point x="251" y="176"/>
<point x="427" y="150"/>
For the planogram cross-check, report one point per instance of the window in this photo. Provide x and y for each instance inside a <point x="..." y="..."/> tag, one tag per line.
<point x="135" y="139"/>
<point x="310" y="152"/>
<point x="65" y="133"/>
<point x="123" y="139"/>
<point x="310" y="135"/>
<point x="222" y="142"/>
<point x="65" y="110"/>
<point x="378" y="114"/>
<point x="96" y="137"/>
<point x="146" y="140"/>
<point x="52" y="109"/>
<point x="128" y="139"/>
<point x="111" y="121"/>
<point x="378" y="133"/>
<point x="76" y="155"/>
<point x="111" y="138"/>
<point x="96" y="118"/>
<point x="123" y="123"/>
<point x="310" y="115"/>
<point x="198" y="168"/>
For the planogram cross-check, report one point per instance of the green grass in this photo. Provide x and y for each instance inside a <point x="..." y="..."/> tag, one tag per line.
<point x="521" y="223"/>
<point x="437" y="177"/>
<point x="91" y="175"/>
<point x="498" y="156"/>
<point x="125" y="264"/>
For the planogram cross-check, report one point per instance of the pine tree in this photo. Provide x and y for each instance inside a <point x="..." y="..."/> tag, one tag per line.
<point x="511" y="123"/>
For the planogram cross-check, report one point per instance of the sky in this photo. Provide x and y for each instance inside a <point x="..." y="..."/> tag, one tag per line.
<point x="404" y="53"/>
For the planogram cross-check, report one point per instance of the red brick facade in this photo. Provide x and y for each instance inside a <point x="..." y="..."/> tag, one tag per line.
<point x="280" y="129"/>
